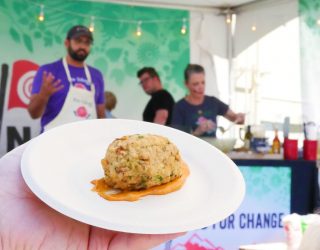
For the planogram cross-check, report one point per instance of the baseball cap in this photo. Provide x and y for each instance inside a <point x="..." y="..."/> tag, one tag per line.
<point x="79" y="30"/>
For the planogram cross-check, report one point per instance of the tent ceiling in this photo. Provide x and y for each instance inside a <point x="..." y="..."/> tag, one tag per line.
<point x="200" y="3"/>
<point x="204" y="5"/>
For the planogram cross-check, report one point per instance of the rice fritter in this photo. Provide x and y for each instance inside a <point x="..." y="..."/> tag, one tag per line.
<point x="138" y="162"/>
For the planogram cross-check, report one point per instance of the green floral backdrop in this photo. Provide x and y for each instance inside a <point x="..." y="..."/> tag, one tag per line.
<point x="309" y="12"/>
<point x="261" y="183"/>
<point x="117" y="51"/>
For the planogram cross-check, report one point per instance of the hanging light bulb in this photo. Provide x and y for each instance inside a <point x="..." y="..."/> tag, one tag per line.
<point x="41" y="14"/>
<point x="183" y="29"/>
<point x="139" y="31"/>
<point x="253" y="28"/>
<point x="228" y="18"/>
<point x="91" y="27"/>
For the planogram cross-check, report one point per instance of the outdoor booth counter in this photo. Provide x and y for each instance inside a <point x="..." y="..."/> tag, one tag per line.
<point x="304" y="187"/>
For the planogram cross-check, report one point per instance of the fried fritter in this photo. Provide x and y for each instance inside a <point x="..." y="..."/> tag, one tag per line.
<point x="141" y="161"/>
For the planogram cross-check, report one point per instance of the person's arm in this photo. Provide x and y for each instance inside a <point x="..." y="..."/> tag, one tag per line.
<point x="101" y="111"/>
<point x="38" y="101"/>
<point x="225" y="111"/>
<point x="161" y="116"/>
<point x="237" y="118"/>
<point x="200" y="130"/>
<point x="37" y="105"/>
<point x="164" y="105"/>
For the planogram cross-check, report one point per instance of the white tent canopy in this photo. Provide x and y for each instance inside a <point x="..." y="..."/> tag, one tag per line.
<point x="266" y="14"/>
<point x="214" y="43"/>
<point x="207" y="5"/>
<point x="211" y="38"/>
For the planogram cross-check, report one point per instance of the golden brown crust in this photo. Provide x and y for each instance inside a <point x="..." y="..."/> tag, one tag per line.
<point x="141" y="161"/>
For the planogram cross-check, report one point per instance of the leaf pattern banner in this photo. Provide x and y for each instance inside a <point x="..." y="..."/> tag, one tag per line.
<point x="309" y="13"/>
<point x="117" y="51"/>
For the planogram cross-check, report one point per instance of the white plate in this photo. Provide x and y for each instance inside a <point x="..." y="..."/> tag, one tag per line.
<point x="59" y="165"/>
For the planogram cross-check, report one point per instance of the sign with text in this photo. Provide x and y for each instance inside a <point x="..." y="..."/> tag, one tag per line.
<point x="257" y="220"/>
<point x="16" y="125"/>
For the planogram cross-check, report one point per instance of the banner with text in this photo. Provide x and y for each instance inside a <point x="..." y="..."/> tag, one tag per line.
<point x="257" y="220"/>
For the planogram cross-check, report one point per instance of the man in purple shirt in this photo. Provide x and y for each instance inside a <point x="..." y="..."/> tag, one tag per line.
<point x="68" y="90"/>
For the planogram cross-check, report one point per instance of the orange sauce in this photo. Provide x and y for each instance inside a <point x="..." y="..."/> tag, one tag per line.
<point x="101" y="188"/>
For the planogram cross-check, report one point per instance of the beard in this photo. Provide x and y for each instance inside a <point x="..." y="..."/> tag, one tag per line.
<point x="76" y="55"/>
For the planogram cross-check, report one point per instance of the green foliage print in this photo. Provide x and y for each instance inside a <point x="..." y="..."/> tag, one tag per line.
<point x="116" y="51"/>
<point x="309" y="11"/>
<point x="262" y="182"/>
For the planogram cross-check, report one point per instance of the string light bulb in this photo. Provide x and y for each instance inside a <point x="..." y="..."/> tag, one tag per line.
<point x="41" y="14"/>
<point x="183" y="29"/>
<point x="91" y="27"/>
<point x="228" y="18"/>
<point x="139" y="30"/>
<point x="253" y="28"/>
<point x="318" y="22"/>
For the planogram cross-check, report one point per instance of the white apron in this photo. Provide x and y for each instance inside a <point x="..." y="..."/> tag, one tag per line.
<point x="79" y="104"/>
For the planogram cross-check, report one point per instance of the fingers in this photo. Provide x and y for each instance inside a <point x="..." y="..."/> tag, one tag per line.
<point x="47" y="77"/>
<point x="210" y="125"/>
<point x="12" y="184"/>
<point x="240" y="118"/>
<point x="44" y="76"/>
<point x="202" y="127"/>
<point x="49" y="84"/>
<point x="18" y="151"/>
<point x="57" y="86"/>
<point x="14" y="154"/>
<point x="207" y="125"/>
<point x="57" y="89"/>
<point x="56" y="83"/>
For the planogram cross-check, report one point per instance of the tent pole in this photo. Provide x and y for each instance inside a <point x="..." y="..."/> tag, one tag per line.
<point x="230" y="54"/>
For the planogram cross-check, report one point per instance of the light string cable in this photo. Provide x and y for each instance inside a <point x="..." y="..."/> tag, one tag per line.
<point x="129" y="21"/>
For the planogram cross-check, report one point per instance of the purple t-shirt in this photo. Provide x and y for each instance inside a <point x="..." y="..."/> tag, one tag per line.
<point x="79" y="79"/>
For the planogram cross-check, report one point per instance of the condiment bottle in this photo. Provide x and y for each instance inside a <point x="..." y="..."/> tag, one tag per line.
<point x="276" y="145"/>
<point x="247" y="138"/>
